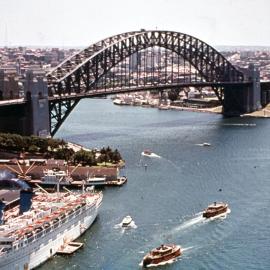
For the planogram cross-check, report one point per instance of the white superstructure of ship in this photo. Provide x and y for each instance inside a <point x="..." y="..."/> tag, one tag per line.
<point x="42" y="224"/>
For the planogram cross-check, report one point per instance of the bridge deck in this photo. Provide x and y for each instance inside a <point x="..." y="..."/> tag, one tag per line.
<point x="12" y="102"/>
<point x="102" y="92"/>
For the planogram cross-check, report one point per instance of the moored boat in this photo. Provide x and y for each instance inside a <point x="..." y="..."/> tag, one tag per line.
<point x="96" y="181"/>
<point x="215" y="209"/>
<point x="118" y="101"/>
<point x="118" y="182"/>
<point x="164" y="107"/>
<point x="161" y="254"/>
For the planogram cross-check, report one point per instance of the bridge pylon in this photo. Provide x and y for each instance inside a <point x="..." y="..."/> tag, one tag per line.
<point x="36" y="92"/>
<point x="245" y="98"/>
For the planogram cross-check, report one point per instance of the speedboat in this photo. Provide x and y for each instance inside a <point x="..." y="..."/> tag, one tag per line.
<point x="215" y="209"/>
<point x="161" y="254"/>
<point x="148" y="153"/>
<point x="126" y="221"/>
<point x="206" y="144"/>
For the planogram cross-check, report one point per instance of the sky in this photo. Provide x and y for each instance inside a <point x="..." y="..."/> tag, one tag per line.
<point x="79" y="23"/>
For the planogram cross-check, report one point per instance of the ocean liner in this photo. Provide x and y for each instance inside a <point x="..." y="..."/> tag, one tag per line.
<point x="42" y="223"/>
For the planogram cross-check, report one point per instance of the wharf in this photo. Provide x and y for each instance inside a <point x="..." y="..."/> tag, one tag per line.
<point x="77" y="173"/>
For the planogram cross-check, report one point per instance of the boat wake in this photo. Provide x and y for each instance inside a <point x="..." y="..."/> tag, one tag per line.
<point x="189" y="223"/>
<point x="175" y="166"/>
<point x="199" y="219"/>
<point x="240" y="124"/>
<point x="186" y="249"/>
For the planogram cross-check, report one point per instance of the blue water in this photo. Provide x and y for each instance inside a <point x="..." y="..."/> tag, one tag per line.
<point x="166" y="197"/>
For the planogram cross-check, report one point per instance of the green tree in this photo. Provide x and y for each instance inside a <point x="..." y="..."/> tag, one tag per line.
<point x="85" y="158"/>
<point x="33" y="149"/>
<point x="116" y="157"/>
<point x="64" y="153"/>
<point x="173" y="94"/>
<point x="102" y="150"/>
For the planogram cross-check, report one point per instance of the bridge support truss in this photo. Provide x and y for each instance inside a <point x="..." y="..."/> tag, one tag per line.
<point x="90" y="71"/>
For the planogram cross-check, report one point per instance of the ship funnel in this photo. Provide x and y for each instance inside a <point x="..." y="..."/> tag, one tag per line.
<point x="25" y="200"/>
<point x="2" y="206"/>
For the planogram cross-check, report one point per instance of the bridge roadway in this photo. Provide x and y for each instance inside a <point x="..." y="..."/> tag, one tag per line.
<point x="108" y="91"/>
<point x="12" y="102"/>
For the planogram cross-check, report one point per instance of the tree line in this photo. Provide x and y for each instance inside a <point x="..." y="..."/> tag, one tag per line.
<point x="57" y="149"/>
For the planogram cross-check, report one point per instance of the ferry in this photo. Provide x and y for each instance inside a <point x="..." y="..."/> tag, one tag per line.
<point x="51" y="178"/>
<point x="42" y="224"/>
<point x="96" y="181"/>
<point x="215" y="209"/>
<point x="161" y="255"/>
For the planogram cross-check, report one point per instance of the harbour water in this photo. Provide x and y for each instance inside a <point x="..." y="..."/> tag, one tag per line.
<point x="166" y="197"/>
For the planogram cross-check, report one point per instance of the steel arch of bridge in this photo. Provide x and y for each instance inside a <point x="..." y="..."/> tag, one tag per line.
<point x="80" y="73"/>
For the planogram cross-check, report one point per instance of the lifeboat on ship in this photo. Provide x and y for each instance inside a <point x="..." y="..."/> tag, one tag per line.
<point x="38" y="229"/>
<point x="29" y="232"/>
<point x="46" y="225"/>
<point x="161" y="254"/>
<point x="215" y="209"/>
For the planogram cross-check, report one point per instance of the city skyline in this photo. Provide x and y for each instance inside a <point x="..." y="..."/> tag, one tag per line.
<point x="78" y="24"/>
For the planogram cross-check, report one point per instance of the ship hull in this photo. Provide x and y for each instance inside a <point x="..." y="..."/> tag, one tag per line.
<point x="216" y="213"/>
<point x="40" y="250"/>
<point x="149" y="260"/>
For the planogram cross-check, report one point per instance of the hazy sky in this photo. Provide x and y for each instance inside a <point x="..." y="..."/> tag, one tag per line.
<point x="82" y="22"/>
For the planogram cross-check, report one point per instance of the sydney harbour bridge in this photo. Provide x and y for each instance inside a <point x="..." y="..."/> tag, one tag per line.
<point x="138" y="61"/>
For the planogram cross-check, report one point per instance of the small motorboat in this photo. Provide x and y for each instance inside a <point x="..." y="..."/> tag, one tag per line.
<point x="148" y="153"/>
<point x="161" y="254"/>
<point x="215" y="209"/>
<point x="206" y="144"/>
<point x="126" y="221"/>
